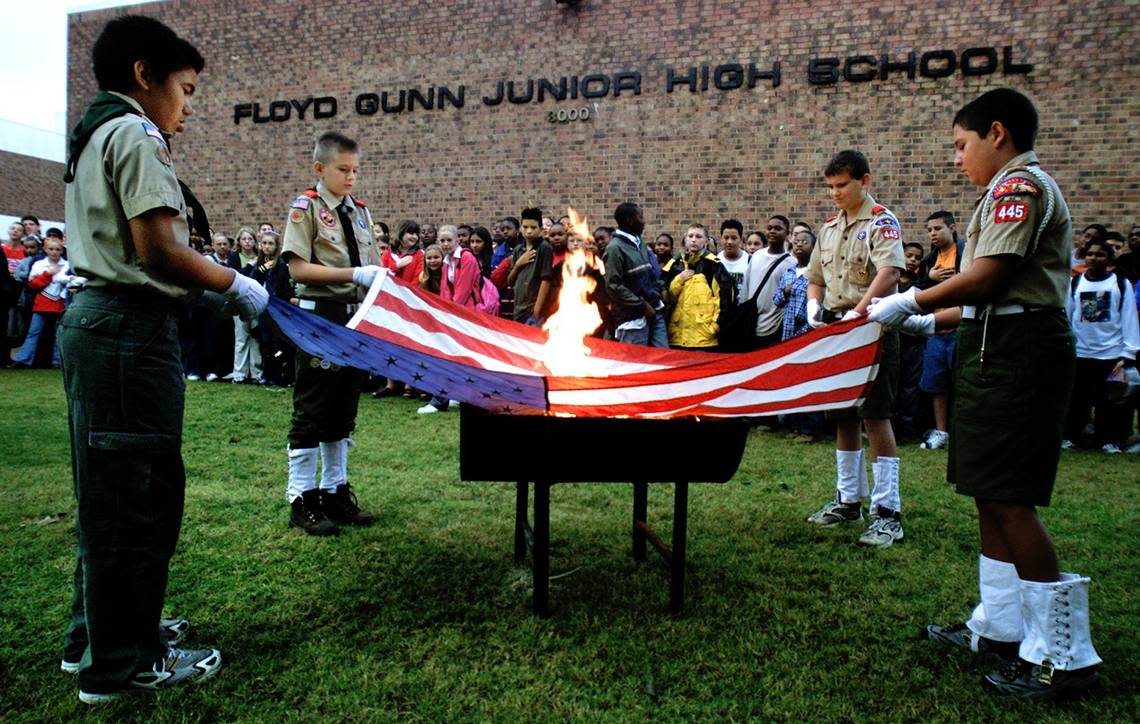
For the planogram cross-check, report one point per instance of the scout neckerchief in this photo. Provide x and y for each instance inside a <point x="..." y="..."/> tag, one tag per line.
<point x="108" y="106"/>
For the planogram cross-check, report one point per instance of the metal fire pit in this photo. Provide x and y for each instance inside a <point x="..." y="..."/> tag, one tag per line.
<point x="536" y="444"/>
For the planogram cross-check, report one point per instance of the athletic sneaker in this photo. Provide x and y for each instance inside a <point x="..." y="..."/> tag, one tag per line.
<point x="176" y="666"/>
<point x="961" y="636"/>
<point x="193" y="378"/>
<point x="211" y="377"/>
<point x="1110" y="448"/>
<point x="428" y="409"/>
<point x="171" y="632"/>
<point x="885" y="529"/>
<point x="935" y="440"/>
<point x="1024" y="680"/>
<point x="834" y="513"/>
<point x="1067" y="445"/>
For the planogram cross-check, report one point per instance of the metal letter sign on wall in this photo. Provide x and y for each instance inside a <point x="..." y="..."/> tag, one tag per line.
<point x="861" y="68"/>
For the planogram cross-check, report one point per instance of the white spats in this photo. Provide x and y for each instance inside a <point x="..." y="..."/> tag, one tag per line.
<point x="334" y="463"/>
<point x="886" y="492"/>
<point x="302" y="472"/>
<point x="998" y="616"/>
<point x="1057" y="623"/>
<point x="851" y="477"/>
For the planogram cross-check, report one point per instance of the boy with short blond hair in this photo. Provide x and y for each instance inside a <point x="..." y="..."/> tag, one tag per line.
<point x="333" y="259"/>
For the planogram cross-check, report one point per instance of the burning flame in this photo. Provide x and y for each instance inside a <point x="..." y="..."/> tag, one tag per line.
<point x="565" y="351"/>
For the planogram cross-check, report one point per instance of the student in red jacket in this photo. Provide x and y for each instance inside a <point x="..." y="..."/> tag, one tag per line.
<point x="462" y="277"/>
<point x="49" y="277"/>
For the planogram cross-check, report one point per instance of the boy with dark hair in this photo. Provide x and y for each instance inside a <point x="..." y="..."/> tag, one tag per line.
<point x="636" y="306"/>
<point x="531" y="270"/>
<point x="858" y="257"/>
<point x="943" y="262"/>
<point x="332" y="257"/>
<point x="1012" y="376"/>
<point x="127" y="213"/>
<point x="731" y="254"/>
<point x="765" y="270"/>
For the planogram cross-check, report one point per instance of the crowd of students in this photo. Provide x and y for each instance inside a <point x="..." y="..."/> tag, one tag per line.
<point x="708" y="284"/>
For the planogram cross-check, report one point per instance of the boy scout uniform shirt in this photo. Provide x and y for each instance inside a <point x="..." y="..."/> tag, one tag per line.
<point x="123" y="172"/>
<point x="1006" y="220"/>
<point x="850" y="252"/>
<point x="313" y="233"/>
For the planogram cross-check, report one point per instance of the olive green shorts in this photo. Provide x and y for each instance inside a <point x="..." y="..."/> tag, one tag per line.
<point x="1007" y="406"/>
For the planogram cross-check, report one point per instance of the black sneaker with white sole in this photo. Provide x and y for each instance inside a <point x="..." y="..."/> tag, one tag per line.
<point x="1026" y="680"/>
<point x="960" y="636"/>
<point x="176" y="666"/>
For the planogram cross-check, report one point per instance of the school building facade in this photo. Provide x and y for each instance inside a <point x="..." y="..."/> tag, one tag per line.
<point x="698" y="110"/>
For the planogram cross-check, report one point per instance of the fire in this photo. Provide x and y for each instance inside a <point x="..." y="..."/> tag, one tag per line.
<point x="577" y="317"/>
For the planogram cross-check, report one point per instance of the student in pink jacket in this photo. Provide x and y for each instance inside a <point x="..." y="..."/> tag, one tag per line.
<point x="462" y="278"/>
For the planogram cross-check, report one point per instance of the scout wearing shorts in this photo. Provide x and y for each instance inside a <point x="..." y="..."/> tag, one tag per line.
<point x="858" y="256"/>
<point x="1012" y="376"/>
<point x="122" y="370"/>
<point x="333" y="258"/>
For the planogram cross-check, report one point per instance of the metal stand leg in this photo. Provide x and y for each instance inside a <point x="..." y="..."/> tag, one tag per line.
<point x="640" y="506"/>
<point x="542" y="548"/>
<point x="521" y="496"/>
<point x="680" y="525"/>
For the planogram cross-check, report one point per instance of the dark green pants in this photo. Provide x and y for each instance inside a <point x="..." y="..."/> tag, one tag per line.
<point x="123" y="378"/>
<point x="325" y="395"/>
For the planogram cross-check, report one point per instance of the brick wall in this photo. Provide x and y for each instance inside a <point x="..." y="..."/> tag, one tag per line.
<point x="685" y="156"/>
<point x="30" y="185"/>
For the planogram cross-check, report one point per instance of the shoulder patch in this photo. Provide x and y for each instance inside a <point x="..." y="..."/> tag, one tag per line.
<point x="152" y="130"/>
<point x="878" y="209"/>
<point x="1016" y="185"/>
<point x="296" y="216"/>
<point x="886" y="221"/>
<point x="311" y="193"/>
<point x="301" y="202"/>
<point x="831" y="218"/>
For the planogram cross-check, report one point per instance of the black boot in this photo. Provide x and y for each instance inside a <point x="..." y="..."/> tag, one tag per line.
<point x="341" y="507"/>
<point x="307" y="515"/>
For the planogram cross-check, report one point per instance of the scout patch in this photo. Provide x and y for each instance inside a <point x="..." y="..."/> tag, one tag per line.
<point x="152" y="130"/>
<point x="301" y="202"/>
<point x="862" y="235"/>
<point x="296" y="216"/>
<point x="163" y="154"/>
<point x="1015" y="185"/>
<point x="885" y="221"/>
<point x="891" y="234"/>
<point x="360" y="222"/>
<point x="328" y="218"/>
<point x="1011" y="212"/>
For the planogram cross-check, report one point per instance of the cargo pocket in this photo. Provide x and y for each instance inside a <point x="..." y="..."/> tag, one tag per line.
<point x="131" y="481"/>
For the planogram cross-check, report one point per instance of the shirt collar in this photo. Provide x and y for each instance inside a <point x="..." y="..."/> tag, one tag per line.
<point x="131" y="101"/>
<point x="636" y="241"/>
<point x="332" y="201"/>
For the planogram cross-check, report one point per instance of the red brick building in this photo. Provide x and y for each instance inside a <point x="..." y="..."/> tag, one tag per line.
<point x="30" y="185"/>
<point x="699" y="110"/>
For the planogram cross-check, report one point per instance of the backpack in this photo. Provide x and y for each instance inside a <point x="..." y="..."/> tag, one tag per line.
<point x="487" y="297"/>
<point x="738" y="325"/>
<point x="1119" y="285"/>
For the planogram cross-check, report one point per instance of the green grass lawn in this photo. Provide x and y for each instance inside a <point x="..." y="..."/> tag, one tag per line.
<point x="424" y="617"/>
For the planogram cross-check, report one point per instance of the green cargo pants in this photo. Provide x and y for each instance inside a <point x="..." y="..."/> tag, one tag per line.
<point x="123" y="378"/>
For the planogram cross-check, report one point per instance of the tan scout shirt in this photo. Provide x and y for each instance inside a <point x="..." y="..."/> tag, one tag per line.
<point x="123" y="172"/>
<point x="313" y="233"/>
<point x="1008" y="219"/>
<point x="849" y="252"/>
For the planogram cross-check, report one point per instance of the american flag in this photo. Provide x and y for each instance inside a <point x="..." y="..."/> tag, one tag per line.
<point x="413" y="336"/>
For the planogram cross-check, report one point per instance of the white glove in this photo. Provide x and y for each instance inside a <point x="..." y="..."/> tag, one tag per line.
<point x="365" y="275"/>
<point x="920" y="325"/>
<point x="851" y="314"/>
<point x="814" y="314"/>
<point x="247" y="298"/>
<point x="76" y="282"/>
<point x="891" y="311"/>
<point x="61" y="277"/>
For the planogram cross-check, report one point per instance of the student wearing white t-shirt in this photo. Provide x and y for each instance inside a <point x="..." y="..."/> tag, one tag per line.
<point x="732" y="254"/>
<point x="1102" y="313"/>
<point x="765" y="268"/>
